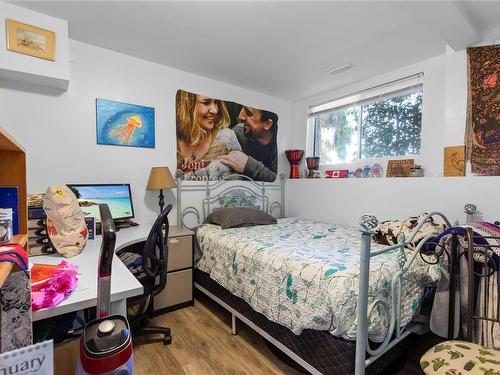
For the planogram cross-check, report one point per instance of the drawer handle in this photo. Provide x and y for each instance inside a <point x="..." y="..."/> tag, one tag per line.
<point x="173" y="240"/>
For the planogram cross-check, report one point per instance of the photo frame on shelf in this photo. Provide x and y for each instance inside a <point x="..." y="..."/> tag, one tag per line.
<point x="399" y="168"/>
<point x="454" y="161"/>
<point x="30" y="40"/>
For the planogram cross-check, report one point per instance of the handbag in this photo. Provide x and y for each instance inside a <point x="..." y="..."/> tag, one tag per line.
<point x="66" y="225"/>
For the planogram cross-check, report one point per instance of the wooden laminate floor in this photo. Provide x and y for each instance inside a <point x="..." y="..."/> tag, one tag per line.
<point x="202" y="344"/>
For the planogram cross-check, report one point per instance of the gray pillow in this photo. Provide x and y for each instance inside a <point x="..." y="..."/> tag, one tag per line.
<point x="235" y="217"/>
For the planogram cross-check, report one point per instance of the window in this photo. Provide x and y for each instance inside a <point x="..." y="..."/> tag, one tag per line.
<point x="377" y="123"/>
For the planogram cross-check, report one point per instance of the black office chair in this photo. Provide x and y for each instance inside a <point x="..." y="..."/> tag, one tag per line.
<point x="148" y="262"/>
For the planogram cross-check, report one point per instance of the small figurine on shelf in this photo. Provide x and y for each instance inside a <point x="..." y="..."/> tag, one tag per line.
<point x="416" y="171"/>
<point x="312" y="164"/>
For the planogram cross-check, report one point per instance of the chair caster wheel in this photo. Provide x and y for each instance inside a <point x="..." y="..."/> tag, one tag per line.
<point x="167" y="340"/>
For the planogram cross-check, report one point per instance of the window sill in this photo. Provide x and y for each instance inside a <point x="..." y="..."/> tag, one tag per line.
<point x="414" y="179"/>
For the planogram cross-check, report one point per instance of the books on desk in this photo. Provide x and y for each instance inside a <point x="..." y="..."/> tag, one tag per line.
<point x="38" y="240"/>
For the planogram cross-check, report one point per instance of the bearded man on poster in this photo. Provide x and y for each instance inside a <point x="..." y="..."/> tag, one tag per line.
<point x="257" y="137"/>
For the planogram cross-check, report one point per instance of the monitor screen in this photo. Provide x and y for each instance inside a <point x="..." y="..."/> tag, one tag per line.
<point x="116" y="196"/>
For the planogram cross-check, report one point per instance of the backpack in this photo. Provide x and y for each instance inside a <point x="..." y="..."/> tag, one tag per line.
<point x="66" y="226"/>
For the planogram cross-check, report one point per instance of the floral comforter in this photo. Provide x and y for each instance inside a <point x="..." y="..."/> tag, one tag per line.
<point x="304" y="274"/>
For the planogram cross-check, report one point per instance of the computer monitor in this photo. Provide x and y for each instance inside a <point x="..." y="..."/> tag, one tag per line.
<point x="117" y="196"/>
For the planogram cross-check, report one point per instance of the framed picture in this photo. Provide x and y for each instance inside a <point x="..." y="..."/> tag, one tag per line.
<point x="31" y="40"/>
<point x="454" y="161"/>
<point x="124" y="124"/>
<point x="399" y="168"/>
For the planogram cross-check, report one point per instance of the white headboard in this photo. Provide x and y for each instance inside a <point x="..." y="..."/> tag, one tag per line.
<point x="197" y="199"/>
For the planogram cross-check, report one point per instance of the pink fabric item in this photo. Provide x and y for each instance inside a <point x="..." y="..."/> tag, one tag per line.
<point x="53" y="290"/>
<point x="490" y="226"/>
<point x="14" y="253"/>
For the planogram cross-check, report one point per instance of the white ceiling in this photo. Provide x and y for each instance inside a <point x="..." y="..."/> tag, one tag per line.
<point x="278" y="48"/>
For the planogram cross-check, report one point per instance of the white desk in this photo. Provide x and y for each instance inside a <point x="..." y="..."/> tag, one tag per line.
<point x="123" y="284"/>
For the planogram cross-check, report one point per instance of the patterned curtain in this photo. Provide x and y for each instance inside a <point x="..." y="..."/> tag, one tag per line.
<point x="482" y="136"/>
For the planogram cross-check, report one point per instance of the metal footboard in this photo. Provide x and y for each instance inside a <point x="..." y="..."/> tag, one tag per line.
<point x="396" y="332"/>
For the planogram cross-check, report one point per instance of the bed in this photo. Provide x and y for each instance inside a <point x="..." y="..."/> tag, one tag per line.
<point x="299" y="283"/>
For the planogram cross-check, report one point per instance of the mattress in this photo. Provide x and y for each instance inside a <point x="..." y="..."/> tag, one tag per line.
<point x="326" y="353"/>
<point x="303" y="274"/>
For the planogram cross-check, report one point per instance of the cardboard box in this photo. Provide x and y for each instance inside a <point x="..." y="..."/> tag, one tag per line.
<point x="65" y="356"/>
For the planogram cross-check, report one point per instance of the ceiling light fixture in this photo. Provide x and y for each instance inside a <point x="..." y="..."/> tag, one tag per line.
<point x="339" y="69"/>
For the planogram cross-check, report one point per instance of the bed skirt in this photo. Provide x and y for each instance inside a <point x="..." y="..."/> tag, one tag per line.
<point x="328" y="354"/>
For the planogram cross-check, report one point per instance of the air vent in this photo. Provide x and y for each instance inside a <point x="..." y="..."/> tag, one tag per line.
<point x="339" y="69"/>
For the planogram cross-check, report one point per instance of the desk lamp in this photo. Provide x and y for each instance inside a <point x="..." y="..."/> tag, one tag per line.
<point x="160" y="178"/>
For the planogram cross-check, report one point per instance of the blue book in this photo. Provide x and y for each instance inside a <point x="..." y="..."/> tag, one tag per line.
<point x="9" y="199"/>
<point x="36" y="213"/>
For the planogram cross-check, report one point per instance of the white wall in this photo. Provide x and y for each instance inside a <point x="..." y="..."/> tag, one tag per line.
<point x="443" y="124"/>
<point x="343" y="201"/>
<point x="59" y="133"/>
<point x="28" y="68"/>
<point x="455" y="94"/>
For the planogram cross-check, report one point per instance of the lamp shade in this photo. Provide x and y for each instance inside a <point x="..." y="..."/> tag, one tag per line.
<point x="160" y="178"/>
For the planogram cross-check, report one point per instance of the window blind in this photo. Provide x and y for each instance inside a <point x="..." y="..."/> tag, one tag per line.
<point x="403" y="86"/>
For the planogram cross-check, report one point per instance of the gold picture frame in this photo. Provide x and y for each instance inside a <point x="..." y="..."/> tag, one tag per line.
<point x="31" y="40"/>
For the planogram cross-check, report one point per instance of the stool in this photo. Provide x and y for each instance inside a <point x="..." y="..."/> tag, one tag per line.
<point x="456" y="357"/>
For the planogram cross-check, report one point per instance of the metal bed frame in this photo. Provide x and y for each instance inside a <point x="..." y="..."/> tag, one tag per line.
<point x="244" y="192"/>
<point x="482" y="268"/>
<point x="216" y="193"/>
<point x="488" y="265"/>
<point x="483" y="263"/>
<point x="488" y="261"/>
<point x="396" y="333"/>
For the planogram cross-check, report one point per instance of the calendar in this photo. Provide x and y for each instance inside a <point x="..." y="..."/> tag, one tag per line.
<point x="37" y="359"/>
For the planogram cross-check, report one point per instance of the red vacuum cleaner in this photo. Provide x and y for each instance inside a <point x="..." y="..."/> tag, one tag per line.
<point x="106" y="343"/>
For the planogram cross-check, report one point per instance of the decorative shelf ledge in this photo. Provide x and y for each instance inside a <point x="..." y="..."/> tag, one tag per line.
<point x="57" y="83"/>
<point x="413" y="179"/>
<point x="19" y="67"/>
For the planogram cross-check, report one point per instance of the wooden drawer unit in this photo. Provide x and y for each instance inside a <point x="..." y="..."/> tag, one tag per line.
<point x="178" y="292"/>
<point x="180" y="253"/>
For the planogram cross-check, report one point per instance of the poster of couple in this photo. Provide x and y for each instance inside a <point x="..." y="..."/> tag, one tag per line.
<point x="217" y="138"/>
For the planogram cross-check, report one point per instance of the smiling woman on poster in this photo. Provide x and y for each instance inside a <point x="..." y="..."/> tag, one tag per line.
<point x="203" y="135"/>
